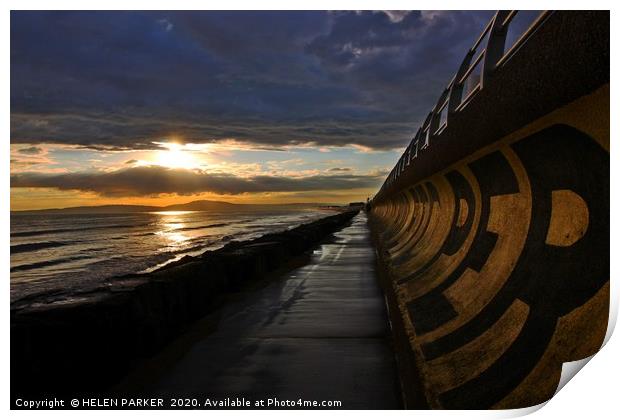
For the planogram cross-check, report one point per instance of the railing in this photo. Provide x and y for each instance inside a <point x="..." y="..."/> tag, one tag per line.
<point x="499" y="41"/>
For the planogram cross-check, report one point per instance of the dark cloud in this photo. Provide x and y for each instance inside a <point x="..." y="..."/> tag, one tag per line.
<point x="30" y="150"/>
<point x="340" y="169"/>
<point x="130" y="161"/>
<point x="140" y="132"/>
<point x="155" y="180"/>
<point x="123" y="80"/>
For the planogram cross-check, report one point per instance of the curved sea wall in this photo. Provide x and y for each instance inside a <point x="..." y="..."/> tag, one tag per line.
<point x="495" y="259"/>
<point x="81" y="343"/>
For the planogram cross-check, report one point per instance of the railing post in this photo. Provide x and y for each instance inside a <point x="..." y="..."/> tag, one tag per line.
<point x="495" y="44"/>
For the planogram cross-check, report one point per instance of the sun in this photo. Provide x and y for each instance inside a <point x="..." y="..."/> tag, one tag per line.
<point x="176" y="157"/>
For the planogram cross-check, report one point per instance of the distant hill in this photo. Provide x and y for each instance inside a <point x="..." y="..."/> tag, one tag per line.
<point x="114" y="208"/>
<point x="200" y="205"/>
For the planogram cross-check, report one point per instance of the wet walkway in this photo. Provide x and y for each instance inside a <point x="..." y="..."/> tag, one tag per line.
<point x="320" y="332"/>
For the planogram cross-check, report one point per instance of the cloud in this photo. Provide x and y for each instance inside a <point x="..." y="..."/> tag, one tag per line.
<point x="147" y="133"/>
<point x="122" y="80"/>
<point x="396" y="15"/>
<point x="340" y="169"/>
<point x="30" y="150"/>
<point x="165" y="23"/>
<point x="156" y="180"/>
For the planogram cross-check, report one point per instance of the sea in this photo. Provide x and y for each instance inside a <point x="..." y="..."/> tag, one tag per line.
<point x="63" y="252"/>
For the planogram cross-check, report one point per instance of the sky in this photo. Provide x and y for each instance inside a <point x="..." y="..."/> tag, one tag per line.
<point x="247" y="107"/>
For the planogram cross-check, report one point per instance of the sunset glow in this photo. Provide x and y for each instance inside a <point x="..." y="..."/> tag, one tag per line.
<point x="176" y="157"/>
<point x="306" y="107"/>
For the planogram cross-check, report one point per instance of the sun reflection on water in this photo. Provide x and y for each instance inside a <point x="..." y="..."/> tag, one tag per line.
<point x="172" y="227"/>
<point x="172" y="212"/>
<point x="173" y="237"/>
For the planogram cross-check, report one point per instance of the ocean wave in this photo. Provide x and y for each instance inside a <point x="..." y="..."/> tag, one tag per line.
<point x="91" y="257"/>
<point x="35" y="246"/>
<point x="199" y="246"/>
<point x="213" y="225"/>
<point x="65" y="230"/>
<point x="41" y="264"/>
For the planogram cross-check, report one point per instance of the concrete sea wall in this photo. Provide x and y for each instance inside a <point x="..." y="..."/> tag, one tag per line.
<point x="82" y="343"/>
<point x="496" y="265"/>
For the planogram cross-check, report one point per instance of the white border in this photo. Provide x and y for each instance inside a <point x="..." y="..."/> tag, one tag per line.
<point x="593" y="394"/>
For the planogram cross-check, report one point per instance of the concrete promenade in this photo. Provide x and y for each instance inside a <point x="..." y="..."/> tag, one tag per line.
<point x="319" y="332"/>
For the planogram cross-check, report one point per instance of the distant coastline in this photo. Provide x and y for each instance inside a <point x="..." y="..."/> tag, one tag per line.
<point x="200" y="205"/>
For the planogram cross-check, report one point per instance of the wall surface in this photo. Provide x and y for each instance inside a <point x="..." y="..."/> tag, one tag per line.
<point x="496" y="266"/>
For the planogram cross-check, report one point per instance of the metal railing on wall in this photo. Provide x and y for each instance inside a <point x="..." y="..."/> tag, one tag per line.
<point x="499" y="41"/>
